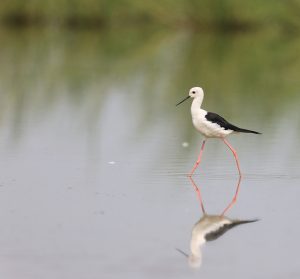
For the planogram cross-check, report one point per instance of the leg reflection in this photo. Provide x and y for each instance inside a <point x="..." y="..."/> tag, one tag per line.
<point x="233" y="201"/>
<point x="229" y="206"/>
<point x="198" y="193"/>
<point x="210" y="227"/>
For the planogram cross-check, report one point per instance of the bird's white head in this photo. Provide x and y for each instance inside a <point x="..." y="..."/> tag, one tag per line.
<point x="196" y="92"/>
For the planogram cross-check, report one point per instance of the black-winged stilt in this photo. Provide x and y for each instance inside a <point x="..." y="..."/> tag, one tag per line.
<point x="211" y="125"/>
<point x="210" y="227"/>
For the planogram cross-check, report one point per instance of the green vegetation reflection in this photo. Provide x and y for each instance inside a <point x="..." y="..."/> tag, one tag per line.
<point x="38" y="68"/>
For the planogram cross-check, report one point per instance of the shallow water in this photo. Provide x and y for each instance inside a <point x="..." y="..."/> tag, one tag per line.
<point x="93" y="165"/>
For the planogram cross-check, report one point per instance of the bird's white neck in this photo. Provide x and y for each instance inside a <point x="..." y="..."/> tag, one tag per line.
<point x="195" y="258"/>
<point x="197" y="241"/>
<point x="196" y="104"/>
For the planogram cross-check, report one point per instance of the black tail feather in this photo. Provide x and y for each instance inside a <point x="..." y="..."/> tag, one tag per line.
<point x="247" y="131"/>
<point x="240" y="222"/>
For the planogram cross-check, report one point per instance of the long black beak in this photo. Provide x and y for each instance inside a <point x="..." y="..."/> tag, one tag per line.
<point x="182" y="253"/>
<point x="183" y="101"/>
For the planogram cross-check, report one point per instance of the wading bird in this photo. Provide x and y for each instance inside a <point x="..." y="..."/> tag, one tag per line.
<point x="211" y="125"/>
<point x="210" y="227"/>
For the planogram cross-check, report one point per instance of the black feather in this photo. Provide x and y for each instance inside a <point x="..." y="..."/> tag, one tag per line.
<point x="215" y="118"/>
<point x="223" y="229"/>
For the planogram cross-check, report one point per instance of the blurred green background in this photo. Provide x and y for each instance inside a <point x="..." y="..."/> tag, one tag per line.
<point x="198" y="14"/>
<point x="239" y="51"/>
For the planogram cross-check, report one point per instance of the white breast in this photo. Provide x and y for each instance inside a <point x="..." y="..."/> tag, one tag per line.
<point x="207" y="128"/>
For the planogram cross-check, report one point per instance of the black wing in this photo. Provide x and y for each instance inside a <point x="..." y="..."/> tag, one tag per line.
<point x="223" y="229"/>
<point x="220" y="231"/>
<point x="215" y="118"/>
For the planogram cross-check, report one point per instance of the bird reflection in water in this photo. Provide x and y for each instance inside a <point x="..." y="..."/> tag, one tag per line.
<point x="210" y="227"/>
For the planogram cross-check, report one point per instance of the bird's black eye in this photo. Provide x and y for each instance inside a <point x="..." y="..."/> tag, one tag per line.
<point x="193" y="92"/>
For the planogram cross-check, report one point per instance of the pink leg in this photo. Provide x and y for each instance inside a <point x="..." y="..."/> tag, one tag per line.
<point x="198" y="194"/>
<point x="229" y="206"/>
<point x="234" y="154"/>
<point x="198" y="160"/>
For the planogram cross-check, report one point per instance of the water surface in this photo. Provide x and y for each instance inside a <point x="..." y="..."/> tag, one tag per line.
<point x="93" y="166"/>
